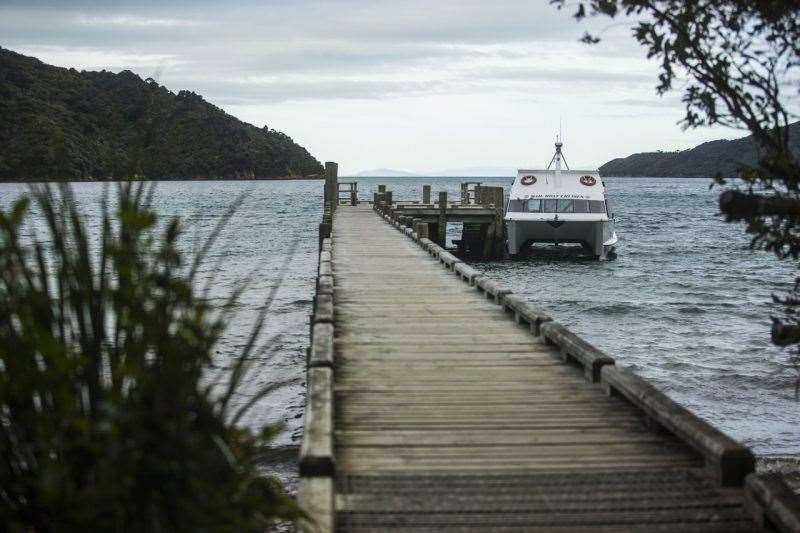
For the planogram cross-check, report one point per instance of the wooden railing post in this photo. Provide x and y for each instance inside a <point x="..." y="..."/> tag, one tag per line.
<point x="331" y="184"/>
<point x="442" y="219"/>
<point x="479" y="195"/>
<point x="493" y="196"/>
<point x="421" y="228"/>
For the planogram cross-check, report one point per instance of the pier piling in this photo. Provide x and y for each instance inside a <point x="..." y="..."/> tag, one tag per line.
<point x="442" y="223"/>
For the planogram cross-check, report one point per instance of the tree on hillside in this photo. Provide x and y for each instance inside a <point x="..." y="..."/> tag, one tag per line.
<point x="740" y="61"/>
<point x="114" y="126"/>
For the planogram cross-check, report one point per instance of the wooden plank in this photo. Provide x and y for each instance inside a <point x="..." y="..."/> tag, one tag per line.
<point x="315" y="496"/>
<point x="356" y="462"/>
<point x="325" y="285"/>
<point x="322" y="345"/>
<point x="371" y="326"/>
<point x="316" y="451"/>
<point x="426" y="347"/>
<point x="325" y="268"/>
<point x="323" y="308"/>
<point x="561" y="437"/>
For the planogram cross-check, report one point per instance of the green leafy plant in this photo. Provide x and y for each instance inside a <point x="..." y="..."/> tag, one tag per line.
<point x="113" y="415"/>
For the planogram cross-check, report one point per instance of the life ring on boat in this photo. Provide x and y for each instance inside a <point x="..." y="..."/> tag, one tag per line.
<point x="528" y="180"/>
<point x="588" y="180"/>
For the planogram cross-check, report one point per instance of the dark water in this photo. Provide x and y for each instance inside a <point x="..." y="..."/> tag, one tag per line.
<point x="685" y="303"/>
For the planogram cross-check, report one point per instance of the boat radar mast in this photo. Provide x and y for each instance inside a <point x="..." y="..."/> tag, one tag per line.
<point x="558" y="156"/>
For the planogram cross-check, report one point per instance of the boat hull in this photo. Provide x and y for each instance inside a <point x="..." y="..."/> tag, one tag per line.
<point x="597" y="237"/>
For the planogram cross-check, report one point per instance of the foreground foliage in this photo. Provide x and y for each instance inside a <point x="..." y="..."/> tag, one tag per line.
<point x="108" y="418"/>
<point x="58" y="123"/>
<point x="738" y="62"/>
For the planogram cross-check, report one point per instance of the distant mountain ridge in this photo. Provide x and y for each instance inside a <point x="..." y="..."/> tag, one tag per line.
<point x="58" y="123"/>
<point x="384" y="173"/>
<point x="705" y="160"/>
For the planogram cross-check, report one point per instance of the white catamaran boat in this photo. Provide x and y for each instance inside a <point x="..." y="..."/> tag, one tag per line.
<point x="559" y="206"/>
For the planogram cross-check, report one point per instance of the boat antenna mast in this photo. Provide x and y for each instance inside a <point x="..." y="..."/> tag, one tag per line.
<point x="558" y="157"/>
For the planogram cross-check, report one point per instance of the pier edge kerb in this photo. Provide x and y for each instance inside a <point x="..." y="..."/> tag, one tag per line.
<point x="526" y="312"/>
<point x="728" y="461"/>
<point x="772" y="502"/>
<point x="316" y="461"/>
<point x="316" y="451"/>
<point x="322" y="351"/>
<point x="573" y="349"/>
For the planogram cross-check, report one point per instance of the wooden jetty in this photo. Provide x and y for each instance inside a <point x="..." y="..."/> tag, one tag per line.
<point x="480" y="210"/>
<point x="438" y="400"/>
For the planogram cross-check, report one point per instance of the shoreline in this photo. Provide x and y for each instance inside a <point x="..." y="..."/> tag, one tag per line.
<point x="115" y="180"/>
<point x="310" y="178"/>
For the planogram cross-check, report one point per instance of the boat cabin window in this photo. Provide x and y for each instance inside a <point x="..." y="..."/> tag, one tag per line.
<point x="549" y="206"/>
<point x="597" y="206"/>
<point x="565" y="206"/>
<point x="553" y="205"/>
<point x="516" y="206"/>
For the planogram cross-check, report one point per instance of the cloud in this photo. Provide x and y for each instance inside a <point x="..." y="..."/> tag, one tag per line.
<point x="245" y="92"/>
<point x="133" y="21"/>
<point x="466" y="78"/>
<point x="672" y="101"/>
<point x="566" y="75"/>
<point x="95" y="59"/>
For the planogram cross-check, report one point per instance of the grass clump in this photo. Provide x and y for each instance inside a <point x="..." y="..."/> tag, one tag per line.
<point x="109" y="417"/>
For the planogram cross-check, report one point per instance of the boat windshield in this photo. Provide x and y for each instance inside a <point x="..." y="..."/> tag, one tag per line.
<point x="556" y="206"/>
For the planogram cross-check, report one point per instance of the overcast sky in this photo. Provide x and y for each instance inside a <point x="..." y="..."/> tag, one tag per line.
<point x="417" y="85"/>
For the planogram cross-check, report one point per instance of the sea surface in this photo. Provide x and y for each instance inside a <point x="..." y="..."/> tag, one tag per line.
<point x="685" y="303"/>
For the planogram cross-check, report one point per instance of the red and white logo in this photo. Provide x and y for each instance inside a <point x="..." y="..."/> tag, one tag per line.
<point x="528" y="180"/>
<point x="588" y="180"/>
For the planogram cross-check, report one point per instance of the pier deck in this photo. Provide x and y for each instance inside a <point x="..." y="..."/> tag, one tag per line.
<point x="438" y="400"/>
<point x="448" y="415"/>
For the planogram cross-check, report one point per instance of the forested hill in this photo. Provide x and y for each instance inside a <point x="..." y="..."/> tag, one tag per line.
<point x="706" y="160"/>
<point x="58" y="123"/>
